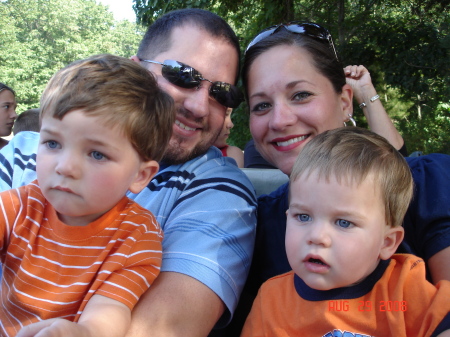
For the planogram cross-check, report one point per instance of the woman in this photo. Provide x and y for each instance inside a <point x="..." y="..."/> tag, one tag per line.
<point x="296" y="89"/>
<point x="221" y="142"/>
<point x="7" y="112"/>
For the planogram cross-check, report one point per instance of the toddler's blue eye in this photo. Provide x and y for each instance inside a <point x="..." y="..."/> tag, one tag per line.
<point x="303" y="217"/>
<point x="52" y="144"/>
<point x="97" y="155"/>
<point x="343" y="223"/>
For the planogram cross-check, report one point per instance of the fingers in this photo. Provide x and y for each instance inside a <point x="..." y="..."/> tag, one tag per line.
<point x="355" y="71"/>
<point x="33" y="329"/>
<point x="47" y="328"/>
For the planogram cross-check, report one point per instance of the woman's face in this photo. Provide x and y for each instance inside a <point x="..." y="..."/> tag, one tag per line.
<point x="7" y="112"/>
<point x="290" y="103"/>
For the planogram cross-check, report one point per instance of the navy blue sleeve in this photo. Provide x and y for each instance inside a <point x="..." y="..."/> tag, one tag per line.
<point x="427" y="221"/>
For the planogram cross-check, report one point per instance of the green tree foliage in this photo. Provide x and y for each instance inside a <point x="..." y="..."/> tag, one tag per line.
<point x="39" y="37"/>
<point x="404" y="44"/>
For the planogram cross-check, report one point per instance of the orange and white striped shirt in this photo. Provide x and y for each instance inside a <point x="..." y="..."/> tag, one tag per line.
<point x="51" y="269"/>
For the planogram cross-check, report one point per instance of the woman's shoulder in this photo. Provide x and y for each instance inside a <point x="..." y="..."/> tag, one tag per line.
<point x="432" y="159"/>
<point x="435" y="166"/>
<point x="273" y="206"/>
<point x="279" y="194"/>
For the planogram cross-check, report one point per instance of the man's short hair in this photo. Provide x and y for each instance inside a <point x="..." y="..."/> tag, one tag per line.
<point x="157" y="39"/>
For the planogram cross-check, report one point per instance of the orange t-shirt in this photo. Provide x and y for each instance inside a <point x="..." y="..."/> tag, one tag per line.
<point x="395" y="300"/>
<point x="51" y="269"/>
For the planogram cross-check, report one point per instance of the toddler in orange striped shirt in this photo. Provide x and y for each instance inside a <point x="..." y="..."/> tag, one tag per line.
<point x="76" y="252"/>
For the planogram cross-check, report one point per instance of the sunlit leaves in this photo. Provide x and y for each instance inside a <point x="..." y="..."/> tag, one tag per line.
<point x="38" y="37"/>
<point x="405" y="45"/>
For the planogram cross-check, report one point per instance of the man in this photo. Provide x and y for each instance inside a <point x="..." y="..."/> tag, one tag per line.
<point x="204" y="203"/>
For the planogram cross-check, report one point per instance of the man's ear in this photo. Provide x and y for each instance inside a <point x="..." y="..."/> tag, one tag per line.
<point x="347" y="102"/>
<point x="146" y="172"/>
<point x="392" y="239"/>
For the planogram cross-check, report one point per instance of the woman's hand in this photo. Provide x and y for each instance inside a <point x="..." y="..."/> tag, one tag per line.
<point x="358" y="77"/>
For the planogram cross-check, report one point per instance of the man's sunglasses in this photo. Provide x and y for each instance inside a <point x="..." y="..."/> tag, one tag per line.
<point x="184" y="76"/>
<point x="306" y="28"/>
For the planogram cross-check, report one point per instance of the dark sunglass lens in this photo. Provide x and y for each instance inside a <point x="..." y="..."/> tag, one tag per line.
<point x="226" y="94"/>
<point x="315" y="31"/>
<point x="180" y="74"/>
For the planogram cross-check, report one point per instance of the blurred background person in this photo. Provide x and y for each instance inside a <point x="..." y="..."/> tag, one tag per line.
<point x="221" y="142"/>
<point x="8" y="114"/>
<point x="27" y="121"/>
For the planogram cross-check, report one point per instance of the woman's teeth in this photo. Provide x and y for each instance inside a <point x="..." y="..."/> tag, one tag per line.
<point x="291" y="141"/>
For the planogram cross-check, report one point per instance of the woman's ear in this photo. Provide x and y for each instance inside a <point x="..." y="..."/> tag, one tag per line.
<point x="392" y="239"/>
<point x="146" y="172"/>
<point x="347" y="102"/>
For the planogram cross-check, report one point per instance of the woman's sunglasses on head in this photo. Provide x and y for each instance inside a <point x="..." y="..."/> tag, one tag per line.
<point x="184" y="76"/>
<point x="305" y="28"/>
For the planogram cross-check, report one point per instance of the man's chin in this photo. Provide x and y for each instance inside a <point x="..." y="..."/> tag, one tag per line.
<point x="176" y="154"/>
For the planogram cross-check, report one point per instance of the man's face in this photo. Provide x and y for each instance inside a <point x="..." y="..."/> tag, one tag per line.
<point x="200" y="117"/>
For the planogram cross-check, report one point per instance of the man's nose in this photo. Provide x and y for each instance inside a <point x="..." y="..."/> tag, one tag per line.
<point x="198" y="101"/>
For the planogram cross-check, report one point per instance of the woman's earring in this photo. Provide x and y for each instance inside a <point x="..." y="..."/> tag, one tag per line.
<point x="351" y="120"/>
